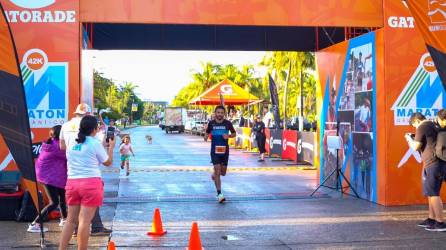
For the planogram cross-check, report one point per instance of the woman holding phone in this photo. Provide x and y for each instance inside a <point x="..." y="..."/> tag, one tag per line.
<point x="84" y="189"/>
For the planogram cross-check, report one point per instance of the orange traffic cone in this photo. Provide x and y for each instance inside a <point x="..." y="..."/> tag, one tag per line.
<point x="111" y="245"/>
<point x="157" y="225"/>
<point x="194" y="240"/>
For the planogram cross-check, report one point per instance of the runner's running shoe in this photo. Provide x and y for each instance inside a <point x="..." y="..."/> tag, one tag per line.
<point x="427" y="222"/>
<point x="35" y="228"/>
<point x="221" y="198"/>
<point x="437" y="227"/>
<point x="62" y="222"/>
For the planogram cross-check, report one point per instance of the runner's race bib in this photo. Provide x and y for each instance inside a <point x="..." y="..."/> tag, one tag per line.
<point x="220" y="149"/>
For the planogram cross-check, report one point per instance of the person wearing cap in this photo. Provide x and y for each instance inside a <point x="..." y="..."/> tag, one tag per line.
<point x="259" y="128"/>
<point x="70" y="129"/>
<point x="67" y="139"/>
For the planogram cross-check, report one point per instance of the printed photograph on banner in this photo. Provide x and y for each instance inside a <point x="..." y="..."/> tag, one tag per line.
<point x="347" y="117"/>
<point x="345" y="131"/>
<point x="362" y="168"/>
<point x="361" y="67"/>
<point x="363" y="112"/>
<point x="331" y="115"/>
<point x="348" y="93"/>
<point x="46" y="89"/>
<point x="358" y="75"/>
<point x="330" y="160"/>
<point x="348" y="96"/>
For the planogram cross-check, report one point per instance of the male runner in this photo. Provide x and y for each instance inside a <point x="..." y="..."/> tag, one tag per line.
<point x="219" y="129"/>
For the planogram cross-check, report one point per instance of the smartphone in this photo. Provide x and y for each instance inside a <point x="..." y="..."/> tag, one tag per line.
<point x="409" y="136"/>
<point x="110" y="133"/>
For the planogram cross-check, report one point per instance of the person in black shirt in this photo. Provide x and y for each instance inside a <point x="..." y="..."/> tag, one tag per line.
<point x="441" y="137"/>
<point x="219" y="128"/>
<point x="440" y="124"/>
<point x="433" y="173"/>
<point x="441" y="120"/>
<point x="259" y="129"/>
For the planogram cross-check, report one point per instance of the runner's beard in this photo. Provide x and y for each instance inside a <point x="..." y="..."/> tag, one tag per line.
<point x="219" y="117"/>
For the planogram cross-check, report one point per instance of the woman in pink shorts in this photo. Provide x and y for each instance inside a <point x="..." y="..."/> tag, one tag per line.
<point x="84" y="189"/>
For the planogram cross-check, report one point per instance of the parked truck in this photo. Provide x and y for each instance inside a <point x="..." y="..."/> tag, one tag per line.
<point x="174" y="119"/>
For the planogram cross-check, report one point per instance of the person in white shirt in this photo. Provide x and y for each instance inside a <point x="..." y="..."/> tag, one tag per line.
<point x="364" y="116"/>
<point x="267" y="117"/>
<point x="67" y="138"/>
<point x="84" y="188"/>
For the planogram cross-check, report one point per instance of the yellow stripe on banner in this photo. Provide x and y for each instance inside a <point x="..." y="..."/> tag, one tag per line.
<point x="247" y="169"/>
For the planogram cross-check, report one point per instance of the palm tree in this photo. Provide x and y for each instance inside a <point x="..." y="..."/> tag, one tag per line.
<point x="209" y="75"/>
<point x="306" y="63"/>
<point x="289" y="70"/>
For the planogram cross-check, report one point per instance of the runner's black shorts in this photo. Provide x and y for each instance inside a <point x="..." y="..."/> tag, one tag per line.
<point x="261" y="140"/>
<point x="432" y="177"/>
<point x="220" y="159"/>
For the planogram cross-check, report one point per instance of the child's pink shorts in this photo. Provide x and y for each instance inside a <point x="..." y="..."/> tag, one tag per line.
<point x="88" y="192"/>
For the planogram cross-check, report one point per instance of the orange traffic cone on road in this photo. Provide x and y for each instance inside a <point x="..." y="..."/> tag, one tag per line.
<point x="111" y="245"/>
<point x="157" y="225"/>
<point x="194" y="240"/>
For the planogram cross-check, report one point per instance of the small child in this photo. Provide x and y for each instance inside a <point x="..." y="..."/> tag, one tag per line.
<point x="125" y="149"/>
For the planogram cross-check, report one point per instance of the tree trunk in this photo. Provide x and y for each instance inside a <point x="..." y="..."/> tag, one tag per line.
<point x="285" y="95"/>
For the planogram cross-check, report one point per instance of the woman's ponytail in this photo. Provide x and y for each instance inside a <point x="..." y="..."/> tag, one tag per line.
<point x="87" y="126"/>
<point x="81" y="137"/>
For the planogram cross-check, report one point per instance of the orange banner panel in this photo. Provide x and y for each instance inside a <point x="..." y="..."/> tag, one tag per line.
<point x="411" y="85"/>
<point x="340" y="13"/>
<point x="381" y="117"/>
<point x="430" y="17"/>
<point x="46" y="34"/>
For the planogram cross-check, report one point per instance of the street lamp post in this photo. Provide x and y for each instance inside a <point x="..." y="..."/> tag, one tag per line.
<point x="131" y="110"/>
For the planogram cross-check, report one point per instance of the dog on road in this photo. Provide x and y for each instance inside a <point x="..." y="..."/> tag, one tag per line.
<point x="149" y="139"/>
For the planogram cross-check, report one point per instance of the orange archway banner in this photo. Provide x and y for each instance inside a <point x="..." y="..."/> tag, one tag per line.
<point x="231" y="93"/>
<point x="430" y="17"/>
<point x="330" y="13"/>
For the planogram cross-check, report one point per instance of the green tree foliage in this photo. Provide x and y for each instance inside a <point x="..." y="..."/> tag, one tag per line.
<point x="288" y="69"/>
<point x="118" y="98"/>
<point x="150" y="112"/>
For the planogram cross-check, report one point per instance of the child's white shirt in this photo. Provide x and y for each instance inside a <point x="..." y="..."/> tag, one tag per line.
<point x="124" y="149"/>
